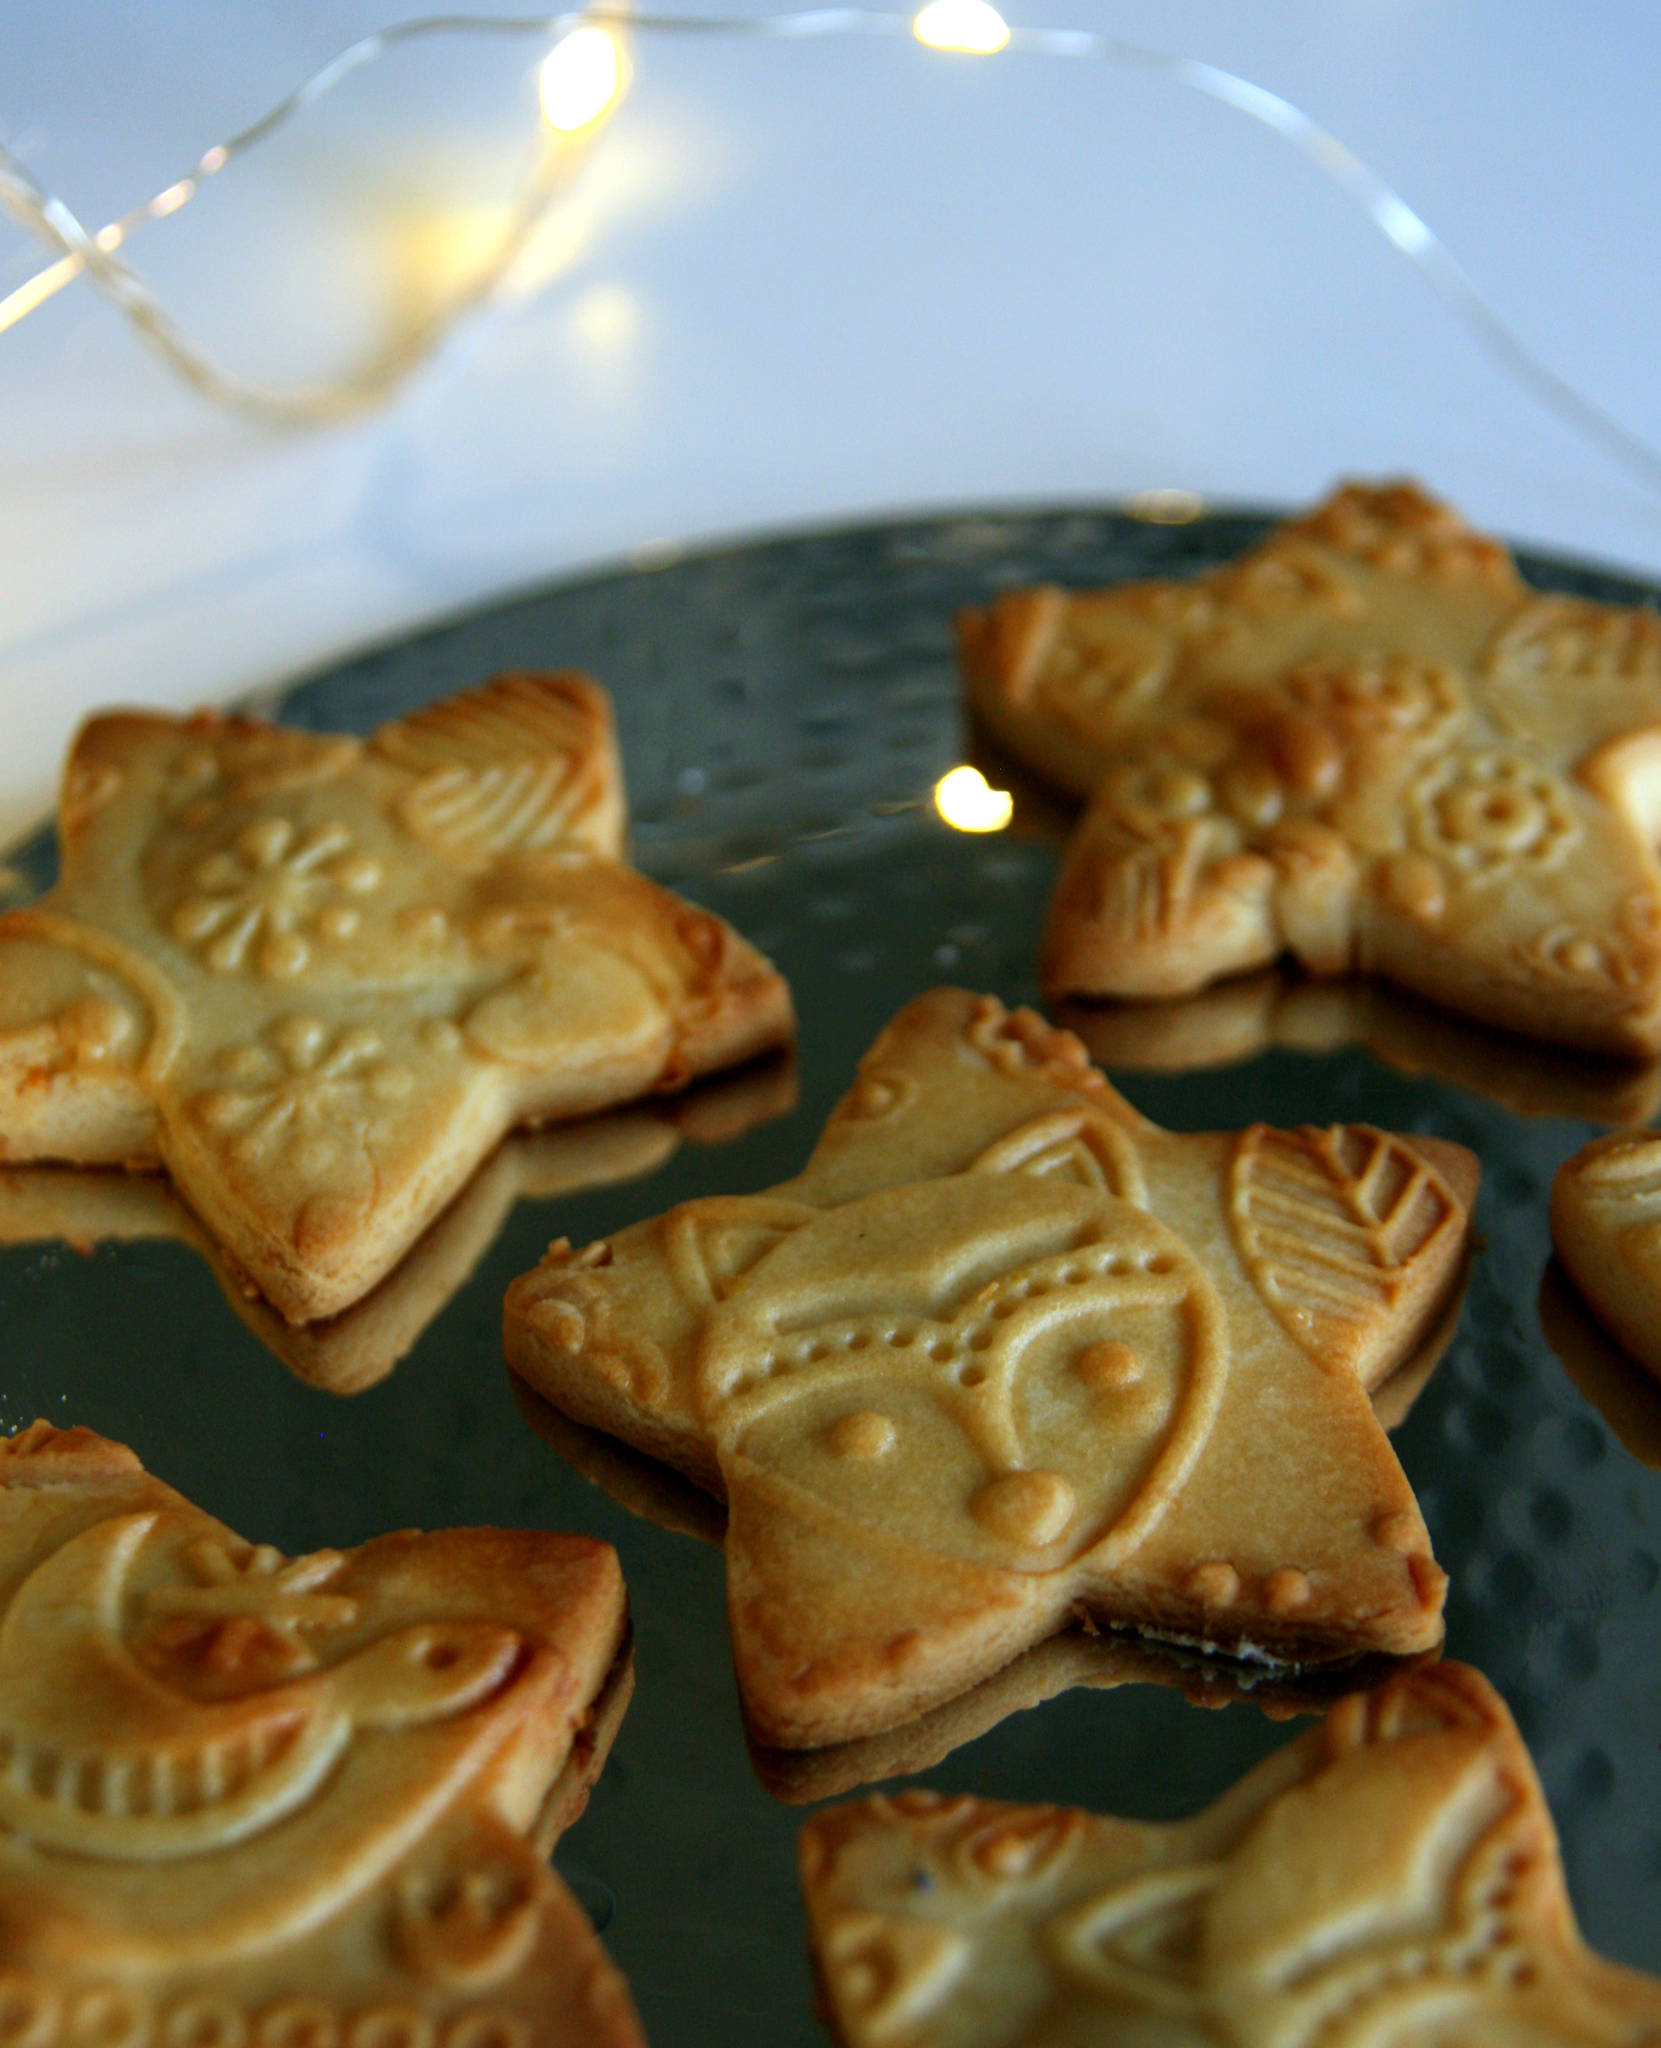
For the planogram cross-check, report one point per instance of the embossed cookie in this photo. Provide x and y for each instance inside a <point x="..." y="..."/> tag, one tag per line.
<point x="1391" y="1878"/>
<point x="1606" y="1225"/>
<point x="250" y="1798"/>
<point x="1366" y="744"/>
<point x="318" y="978"/>
<point x="1005" y="1353"/>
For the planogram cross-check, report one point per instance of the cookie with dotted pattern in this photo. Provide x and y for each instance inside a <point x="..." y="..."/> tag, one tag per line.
<point x="318" y="978"/>
<point x="1005" y="1353"/>
<point x="1365" y="744"/>
<point x="1391" y="1877"/>
<point x="258" y="1800"/>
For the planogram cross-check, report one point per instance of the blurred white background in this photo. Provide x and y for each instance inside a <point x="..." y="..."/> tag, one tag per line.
<point x="785" y="283"/>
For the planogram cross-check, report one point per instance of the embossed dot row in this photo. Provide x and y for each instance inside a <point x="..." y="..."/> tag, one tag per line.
<point x="902" y="1336"/>
<point x="34" y="2015"/>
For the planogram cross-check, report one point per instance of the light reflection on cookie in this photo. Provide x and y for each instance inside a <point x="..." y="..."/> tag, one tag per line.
<point x="1606" y="1229"/>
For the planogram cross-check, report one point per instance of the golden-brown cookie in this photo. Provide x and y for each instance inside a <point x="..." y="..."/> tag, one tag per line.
<point x="1389" y="1880"/>
<point x="1004" y="1352"/>
<point x="250" y="1798"/>
<point x="1606" y="1225"/>
<point x="1367" y="744"/>
<point x="317" y="978"/>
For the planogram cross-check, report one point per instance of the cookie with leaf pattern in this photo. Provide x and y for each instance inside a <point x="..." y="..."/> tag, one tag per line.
<point x="1366" y="745"/>
<point x="318" y="978"/>
<point x="1389" y="1880"/>
<point x="1005" y="1353"/>
<point x="253" y="1798"/>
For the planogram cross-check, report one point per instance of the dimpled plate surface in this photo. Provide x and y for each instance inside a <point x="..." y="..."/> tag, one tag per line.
<point x="785" y="709"/>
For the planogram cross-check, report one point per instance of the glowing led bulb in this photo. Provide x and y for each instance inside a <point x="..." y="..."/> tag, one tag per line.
<point x="968" y="802"/>
<point x="581" y="76"/>
<point x="972" y="25"/>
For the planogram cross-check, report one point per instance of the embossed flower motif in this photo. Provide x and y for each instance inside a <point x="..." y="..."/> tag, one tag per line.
<point x="262" y="903"/>
<point x="1488" y="813"/>
<point x="306" y="1092"/>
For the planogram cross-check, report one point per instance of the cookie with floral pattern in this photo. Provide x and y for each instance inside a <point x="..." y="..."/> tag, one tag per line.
<point x="318" y="978"/>
<point x="1366" y="745"/>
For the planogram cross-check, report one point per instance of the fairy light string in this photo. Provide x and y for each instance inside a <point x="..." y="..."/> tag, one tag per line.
<point x="972" y="27"/>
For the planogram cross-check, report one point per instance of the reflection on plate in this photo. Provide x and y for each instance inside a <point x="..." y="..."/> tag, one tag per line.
<point x="1236" y="1020"/>
<point x="1393" y="1398"/>
<point x="1078" y="1658"/>
<point x="657" y="1493"/>
<point x="1617" y="1386"/>
<point x="347" y="1353"/>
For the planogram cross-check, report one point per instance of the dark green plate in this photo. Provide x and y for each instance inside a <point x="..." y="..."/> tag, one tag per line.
<point x="785" y="710"/>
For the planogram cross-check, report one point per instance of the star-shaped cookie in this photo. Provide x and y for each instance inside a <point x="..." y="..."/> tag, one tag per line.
<point x="250" y="1798"/>
<point x="1606" y="1226"/>
<point x="1005" y="1353"/>
<point x="1391" y="1878"/>
<point x="1366" y="744"/>
<point x="318" y="978"/>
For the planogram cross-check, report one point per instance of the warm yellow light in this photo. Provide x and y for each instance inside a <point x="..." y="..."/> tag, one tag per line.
<point x="606" y="320"/>
<point x="172" y="199"/>
<point x="581" y="76"/>
<point x="18" y="305"/>
<point x="1165" y="508"/>
<point x="969" y="803"/>
<point x="971" y="25"/>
